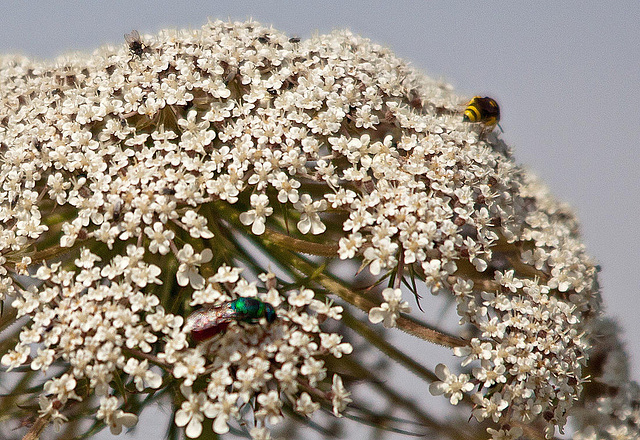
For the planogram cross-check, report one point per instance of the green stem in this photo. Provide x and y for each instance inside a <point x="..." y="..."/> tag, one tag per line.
<point x="385" y="347"/>
<point x="445" y="429"/>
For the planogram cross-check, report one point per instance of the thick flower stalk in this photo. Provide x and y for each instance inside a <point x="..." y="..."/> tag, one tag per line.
<point x="193" y="168"/>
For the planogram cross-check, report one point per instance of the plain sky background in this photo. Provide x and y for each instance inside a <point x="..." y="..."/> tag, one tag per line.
<point x="566" y="76"/>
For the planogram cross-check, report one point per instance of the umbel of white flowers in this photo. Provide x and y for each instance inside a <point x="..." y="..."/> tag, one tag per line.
<point x="128" y="175"/>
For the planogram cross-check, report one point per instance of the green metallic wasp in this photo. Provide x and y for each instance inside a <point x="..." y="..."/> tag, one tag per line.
<point x="210" y="321"/>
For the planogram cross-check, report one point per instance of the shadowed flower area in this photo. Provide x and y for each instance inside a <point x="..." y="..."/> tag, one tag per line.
<point x="328" y="180"/>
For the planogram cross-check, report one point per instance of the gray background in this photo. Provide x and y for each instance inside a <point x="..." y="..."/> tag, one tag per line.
<point x="567" y="77"/>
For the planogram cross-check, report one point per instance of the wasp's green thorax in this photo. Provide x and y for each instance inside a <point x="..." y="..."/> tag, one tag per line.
<point x="252" y="309"/>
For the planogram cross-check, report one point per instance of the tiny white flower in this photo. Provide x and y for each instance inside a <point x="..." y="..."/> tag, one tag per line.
<point x="301" y="298"/>
<point x="16" y="357"/>
<point x="340" y="396"/>
<point x="451" y="385"/>
<point x="189" y="263"/>
<point x="389" y="310"/>
<point x="115" y="418"/>
<point x="160" y="238"/>
<point x="310" y="220"/>
<point x="192" y="411"/>
<point x="305" y="405"/>
<point x="257" y="216"/>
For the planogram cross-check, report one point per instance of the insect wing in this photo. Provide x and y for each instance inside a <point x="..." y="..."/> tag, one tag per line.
<point x="489" y="110"/>
<point x="208" y="322"/>
<point x="132" y="37"/>
<point x="136" y="46"/>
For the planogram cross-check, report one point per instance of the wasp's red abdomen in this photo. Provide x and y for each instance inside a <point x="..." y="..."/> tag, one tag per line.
<point x="206" y="332"/>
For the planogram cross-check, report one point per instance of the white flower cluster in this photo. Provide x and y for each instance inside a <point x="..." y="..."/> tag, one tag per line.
<point x="117" y="151"/>
<point x="258" y="364"/>
<point x="130" y="153"/>
<point x="533" y="322"/>
<point x="610" y="407"/>
<point x="101" y="330"/>
<point x="98" y="329"/>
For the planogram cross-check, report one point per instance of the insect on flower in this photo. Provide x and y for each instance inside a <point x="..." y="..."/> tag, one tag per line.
<point x="136" y="46"/>
<point x="485" y="110"/>
<point x="210" y="321"/>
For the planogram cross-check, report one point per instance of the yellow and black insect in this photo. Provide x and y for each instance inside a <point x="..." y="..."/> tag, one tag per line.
<point x="484" y="110"/>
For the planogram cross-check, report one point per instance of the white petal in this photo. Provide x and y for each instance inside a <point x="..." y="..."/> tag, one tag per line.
<point x="128" y="419"/>
<point x="442" y="371"/>
<point x="436" y="388"/>
<point x="376" y="315"/>
<point x="304" y="225"/>
<point x="220" y="425"/>
<point x="182" y="417"/>
<point x="194" y="429"/>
